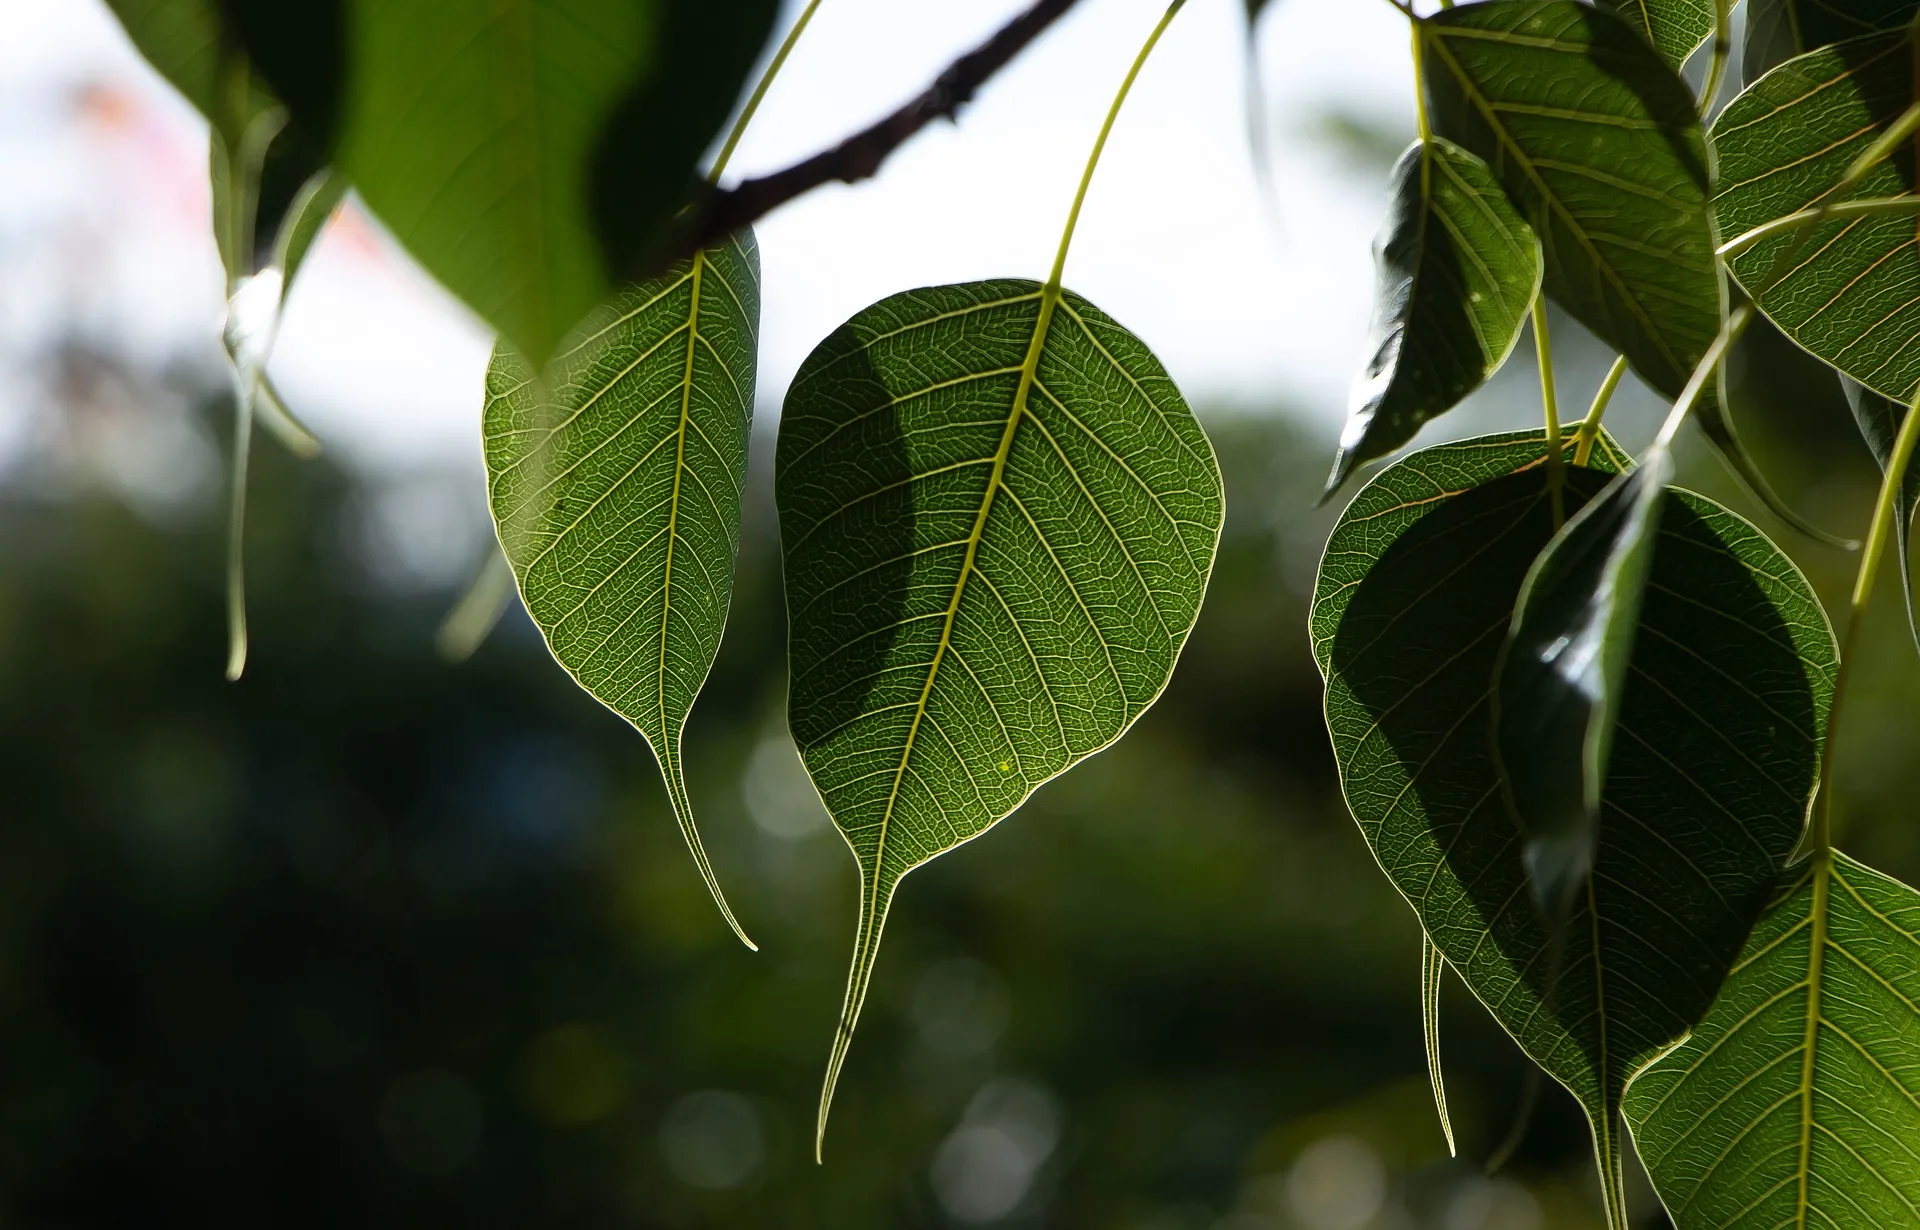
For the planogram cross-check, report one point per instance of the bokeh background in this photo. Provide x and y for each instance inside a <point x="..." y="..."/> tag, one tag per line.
<point x="376" y="939"/>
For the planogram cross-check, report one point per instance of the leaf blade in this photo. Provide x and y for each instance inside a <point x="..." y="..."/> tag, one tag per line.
<point x="614" y="482"/>
<point x="1416" y="590"/>
<point x="1456" y="269"/>
<point x="999" y="432"/>
<point x="1798" y="1097"/>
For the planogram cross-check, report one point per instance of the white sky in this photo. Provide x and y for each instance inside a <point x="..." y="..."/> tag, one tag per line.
<point x="103" y="221"/>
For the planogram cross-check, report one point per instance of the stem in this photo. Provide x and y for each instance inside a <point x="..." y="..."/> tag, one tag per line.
<point x="1820" y="835"/>
<point x="1702" y="372"/>
<point x="1100" y="142"/>
<point x="1556" y="465"/>
<point x="1590" y="426"/>
<point x="1868" y="207"/>
<point x="760" y="91"/>
<point x="718" y="213"/>
<point x="1722" y="43"/>
<point x="1419" y="87"/>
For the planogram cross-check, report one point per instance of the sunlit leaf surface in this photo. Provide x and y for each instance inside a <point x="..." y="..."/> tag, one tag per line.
<point x="615" y="485"/>
<point x="1796" y="1102"/>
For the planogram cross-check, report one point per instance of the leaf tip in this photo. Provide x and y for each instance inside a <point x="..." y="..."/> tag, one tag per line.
<point x="683" y="813"/>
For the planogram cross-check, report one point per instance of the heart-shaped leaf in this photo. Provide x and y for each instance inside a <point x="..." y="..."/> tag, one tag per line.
<point x="1778" y="30"/>
<point x="1598" y="143"/>
<point x="1796" y="1101"/>
<point x="1455" y="271"/>
<point x="1676" y="28"/>
<point x="614" y="480"/>
<point x="1714" y="758"/>
<point x="1842" y="288"/>
<point x="998" y="517"/>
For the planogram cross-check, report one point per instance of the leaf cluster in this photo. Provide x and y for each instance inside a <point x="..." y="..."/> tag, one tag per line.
<point x="1584" y="719"/>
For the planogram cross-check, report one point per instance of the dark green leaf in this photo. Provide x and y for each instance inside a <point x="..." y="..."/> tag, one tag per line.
<point x="1841" y="289"/>
<point x="1676" y="28"/>
<point x="1597" y="142"/>
<point x="998" y="518"/>
<point x="1796" y="1102"/>
<point x="528" y="155"/>
<point x="1778" y="30"/>
<point x="1559" y="684"/>
<point x="615" y="485"/>
<point x="1713" y="763"/>
<point x="1455" y="271"/>
<point x="1880" y="421"/>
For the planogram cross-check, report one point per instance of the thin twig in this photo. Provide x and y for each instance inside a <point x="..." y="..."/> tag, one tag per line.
<point x="718" y="213"/>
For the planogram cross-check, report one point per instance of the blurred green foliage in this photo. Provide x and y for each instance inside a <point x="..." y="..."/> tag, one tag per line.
<point x="369" y="939"/>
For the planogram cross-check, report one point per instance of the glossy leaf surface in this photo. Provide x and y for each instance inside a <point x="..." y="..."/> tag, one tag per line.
<point x="998" y="517"/>
<point x="1713" y="762"/>
<point x="1455" y="270"/>
<point x="1796" y="1102"/>
<point x="1842" y="289"/>
<point x="1559" y="683"/>
<point x="527" y="154"/>
<point x="615" y="486"/>
<point x="1597" y="142"/>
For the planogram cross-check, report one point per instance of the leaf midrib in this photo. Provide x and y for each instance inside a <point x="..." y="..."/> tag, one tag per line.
<point x="1486" y="108"/>
<point x="1029" y="371"/>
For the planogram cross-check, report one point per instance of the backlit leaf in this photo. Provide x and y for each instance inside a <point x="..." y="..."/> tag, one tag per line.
<point x="614" y="481"/>
<point x="1796" y="1102"/>
<point x="998" y="518"/>
<point x="1842" y="289"/>
<point x="1598" y="143"/>
<point x="1713" y="763"/>
<point x="1676" y="28"/>
<point x="1455" y="272"/>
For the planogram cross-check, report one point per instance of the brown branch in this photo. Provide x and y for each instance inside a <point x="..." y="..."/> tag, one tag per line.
<point x="718" y="213"/>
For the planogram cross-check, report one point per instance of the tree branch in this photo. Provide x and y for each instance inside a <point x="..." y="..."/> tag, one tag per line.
<point x="717" y="213"/>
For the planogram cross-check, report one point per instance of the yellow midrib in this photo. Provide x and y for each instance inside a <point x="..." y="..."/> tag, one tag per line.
<point x="1029" y="369"/>
<point x="1485" y="107"/>
<point x="1810" y="1043"/>
<point x="668" y="737"/>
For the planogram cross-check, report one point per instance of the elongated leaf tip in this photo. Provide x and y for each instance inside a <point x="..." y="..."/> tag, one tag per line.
<point x="237" y="657"/>
<point x="1343" y="467"/>
<point x="683" y="813"/>
<point x="1557" y="866"/>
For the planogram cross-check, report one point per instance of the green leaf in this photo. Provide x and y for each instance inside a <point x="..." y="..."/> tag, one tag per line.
<point x="1880" y="421"/>
<point x="1713" y="763"/>
<point x="998" y="518"/>
<point x="1676" y="28"/>
<point x="1597" y="142"/>
<point x="614" y="480"/>
<point x="1778" y="30"/>
<point x="1455" y="271"/>
<point x="182" y="40"/>
<point x="1796" y="1102"/>
<point x="528" y="154"/>
<point x="1842" y="288"/>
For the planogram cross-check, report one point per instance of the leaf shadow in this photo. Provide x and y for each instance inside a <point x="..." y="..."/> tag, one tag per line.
<point x="1705" y="795"/>
<point x="851" y="585"/>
